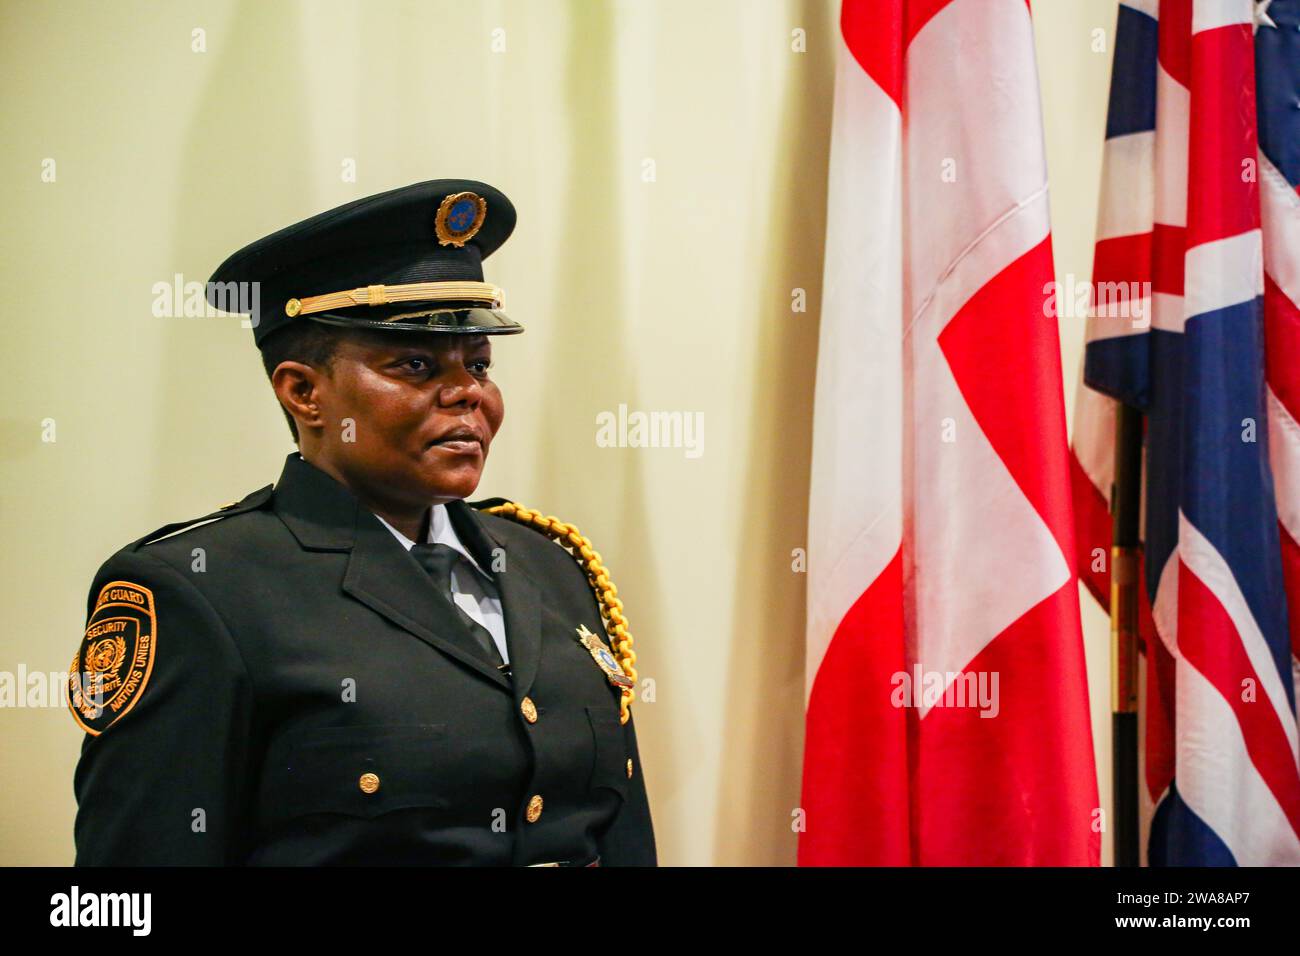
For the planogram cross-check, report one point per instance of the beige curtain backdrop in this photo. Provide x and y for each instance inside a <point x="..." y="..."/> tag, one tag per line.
<point x="668" y="161"/>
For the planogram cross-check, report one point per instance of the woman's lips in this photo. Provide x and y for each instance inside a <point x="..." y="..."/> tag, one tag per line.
<point x="460" y="446"/>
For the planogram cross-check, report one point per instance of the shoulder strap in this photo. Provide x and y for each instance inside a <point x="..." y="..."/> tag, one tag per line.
<point x="580" y="549"/>
<point x="249" y="502"/>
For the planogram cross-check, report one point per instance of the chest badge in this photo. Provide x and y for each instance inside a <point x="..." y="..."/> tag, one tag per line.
<point x="603" y="658"/>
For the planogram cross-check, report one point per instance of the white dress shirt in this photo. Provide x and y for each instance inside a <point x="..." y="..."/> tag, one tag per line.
<point x="476" y="594"/>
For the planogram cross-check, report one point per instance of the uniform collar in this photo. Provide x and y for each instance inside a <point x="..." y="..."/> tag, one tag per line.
<point x="441" y="531"/>
<point x="323" y="515"/>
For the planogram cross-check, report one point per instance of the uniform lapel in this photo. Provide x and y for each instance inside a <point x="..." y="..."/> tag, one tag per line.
<point x="521" y="602"/>
<point x="324" y="516"/>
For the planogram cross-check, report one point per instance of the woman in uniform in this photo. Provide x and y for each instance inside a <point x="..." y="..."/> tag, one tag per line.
<point x="356" y="665"/>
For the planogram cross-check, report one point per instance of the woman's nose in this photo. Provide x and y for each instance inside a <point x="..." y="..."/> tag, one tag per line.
<point x="460" y="386"/>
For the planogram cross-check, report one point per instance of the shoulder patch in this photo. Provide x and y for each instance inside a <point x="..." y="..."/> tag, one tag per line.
<point x="113" y="663"/>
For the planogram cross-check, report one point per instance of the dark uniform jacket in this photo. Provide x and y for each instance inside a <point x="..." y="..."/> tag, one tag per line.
<point x="282" y="686"/>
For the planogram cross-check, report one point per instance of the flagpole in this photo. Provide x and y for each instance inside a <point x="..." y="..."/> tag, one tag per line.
<point x="1126" y="550"/>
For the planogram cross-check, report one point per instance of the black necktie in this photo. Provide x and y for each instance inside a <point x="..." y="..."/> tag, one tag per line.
<point x="438" y="559"/>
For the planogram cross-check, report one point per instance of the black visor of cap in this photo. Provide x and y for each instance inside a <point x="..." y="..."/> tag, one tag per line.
<point x="464" y="321"/>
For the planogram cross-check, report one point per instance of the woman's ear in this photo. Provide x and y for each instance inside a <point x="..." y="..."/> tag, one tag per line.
<point x="297" y="386"/>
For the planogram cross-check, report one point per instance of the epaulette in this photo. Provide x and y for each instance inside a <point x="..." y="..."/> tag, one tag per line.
<point x="620" y="669"/>
<point x="485" y="503"/>
<point x="249" y="502"/>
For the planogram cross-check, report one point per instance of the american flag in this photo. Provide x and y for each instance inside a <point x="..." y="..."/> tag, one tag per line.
<point x="1199" y="210"/>
<point x="940" y="530"/>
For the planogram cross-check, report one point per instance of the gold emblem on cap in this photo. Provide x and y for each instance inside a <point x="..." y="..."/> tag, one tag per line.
<point x="460" y="217"/>
<point x="368" y="782"/>
<point x="292" y="308"/>
<point x="534" y="808"/>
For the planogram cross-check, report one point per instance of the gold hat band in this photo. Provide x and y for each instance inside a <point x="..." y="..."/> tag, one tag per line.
<point x="486" y="293"/>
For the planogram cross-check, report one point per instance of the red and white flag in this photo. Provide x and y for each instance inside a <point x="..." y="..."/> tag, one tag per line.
<point x="947" y="709"/>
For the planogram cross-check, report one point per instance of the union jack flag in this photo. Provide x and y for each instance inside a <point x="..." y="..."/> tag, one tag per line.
<point x="1200" y="214"/>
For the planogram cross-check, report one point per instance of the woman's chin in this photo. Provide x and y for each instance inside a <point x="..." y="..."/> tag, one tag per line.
<point x="454" y="483"/>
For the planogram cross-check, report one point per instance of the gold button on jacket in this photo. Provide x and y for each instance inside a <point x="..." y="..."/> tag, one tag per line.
<point x="535" y="808"/>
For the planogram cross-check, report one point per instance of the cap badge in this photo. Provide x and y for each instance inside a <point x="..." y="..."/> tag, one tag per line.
<point x="460" y="217"/>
